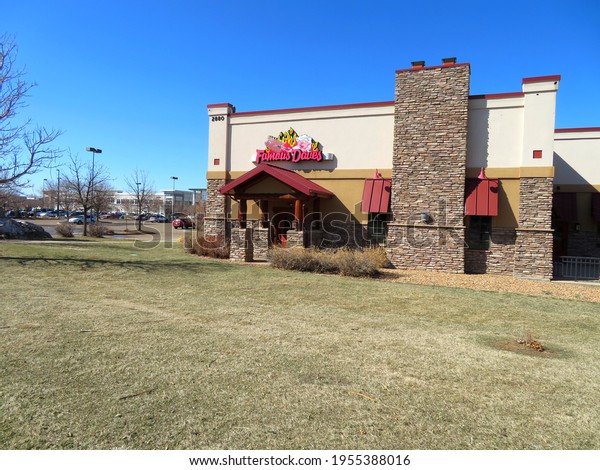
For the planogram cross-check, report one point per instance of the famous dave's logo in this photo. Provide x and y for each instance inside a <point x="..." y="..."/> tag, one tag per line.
<point x="290" y="147"/>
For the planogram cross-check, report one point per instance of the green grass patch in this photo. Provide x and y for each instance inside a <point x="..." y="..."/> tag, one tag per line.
<point x="107" y="346"/>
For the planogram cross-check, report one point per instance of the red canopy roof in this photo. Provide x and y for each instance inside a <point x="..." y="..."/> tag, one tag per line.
<point x="288" y="177"/>
<point x="376" y="195"/>
<point x="481" y="196"/>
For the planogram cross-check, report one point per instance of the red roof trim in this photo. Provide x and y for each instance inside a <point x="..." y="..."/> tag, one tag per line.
<point x="431" y="67"/>
<point x="546" y="78"/>
<point x="318" y="108"/>
<point x="287" y="177"/>
<point x="577" y="129"/>
<point x="219" y="105"/>
<point x="497" y="96"/>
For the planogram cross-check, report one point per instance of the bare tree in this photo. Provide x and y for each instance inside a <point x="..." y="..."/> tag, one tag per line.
<point x="23" y="150"/>
<point x="102" y="197"/>
<point x="9" y="199"/>
<point x="83" y="181"/>
<point x="139" y="184"/>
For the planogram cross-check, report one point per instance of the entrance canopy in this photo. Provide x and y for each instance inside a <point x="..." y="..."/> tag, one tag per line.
<point x="258" y="183"/>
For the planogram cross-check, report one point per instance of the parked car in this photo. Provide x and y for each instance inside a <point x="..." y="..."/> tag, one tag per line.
<point x="79" y="219"/>
<point x="183" y="223"/>
<point x="158" y="218"/>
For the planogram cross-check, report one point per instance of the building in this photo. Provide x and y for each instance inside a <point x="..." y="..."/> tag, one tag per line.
<point x="443" y="179"/>
<point x="163" y="202"/>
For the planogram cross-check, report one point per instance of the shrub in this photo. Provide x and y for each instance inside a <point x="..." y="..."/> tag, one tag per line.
<point x="356" y="263"/>
<point x="65" y="229"/>
<point x="213" y="247"/>
<point x="98" y="230"/>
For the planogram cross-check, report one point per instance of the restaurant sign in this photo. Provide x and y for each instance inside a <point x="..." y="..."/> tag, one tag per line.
<point x="290" y="147"/>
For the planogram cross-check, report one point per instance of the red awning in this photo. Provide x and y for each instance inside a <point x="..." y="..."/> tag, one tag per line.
<point x="564" y="206"/>
<point x="596" y="206"/>
<point x="376" y="195"/>
<point x="481" y="197"/>
<point x="290" y="178"/>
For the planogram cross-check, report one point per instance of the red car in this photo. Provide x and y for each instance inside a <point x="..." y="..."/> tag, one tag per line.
<point x="184" y="223"/>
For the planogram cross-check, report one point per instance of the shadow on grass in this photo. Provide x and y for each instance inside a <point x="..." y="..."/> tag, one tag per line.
<point x="192" y="267"/>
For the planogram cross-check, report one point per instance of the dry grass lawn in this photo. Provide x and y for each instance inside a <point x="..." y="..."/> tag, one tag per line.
<point x="105" y="346"/>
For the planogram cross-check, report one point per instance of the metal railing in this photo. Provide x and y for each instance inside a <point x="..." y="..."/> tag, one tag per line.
<point x="577" y="268"/>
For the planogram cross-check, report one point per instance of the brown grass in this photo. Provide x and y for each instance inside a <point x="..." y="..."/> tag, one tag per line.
<point x="105" y="346"/>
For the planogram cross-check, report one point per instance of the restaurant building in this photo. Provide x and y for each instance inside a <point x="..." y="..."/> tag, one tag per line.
<point x="443" y="179"/>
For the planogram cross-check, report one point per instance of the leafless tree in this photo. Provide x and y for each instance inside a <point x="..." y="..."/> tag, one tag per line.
<point x="102" y="197"/>
<point x="83" y="181"/>
<point x="140" y="185"/>
<point x="23" y="150"/>
<point x="9" y="199"/>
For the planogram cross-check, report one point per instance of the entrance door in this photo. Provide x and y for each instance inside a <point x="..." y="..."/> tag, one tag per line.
<point x="561" y="240"/>
<point x="282" y="221"/>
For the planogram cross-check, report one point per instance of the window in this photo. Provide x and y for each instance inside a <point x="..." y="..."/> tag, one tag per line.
<point x="479" y="233"/>
<point x="377" y="228"/>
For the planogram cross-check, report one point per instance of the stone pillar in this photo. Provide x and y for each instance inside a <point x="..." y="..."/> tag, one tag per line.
<point x="215" y="220"/>
<point x="533" y="247"/>
<point x="429" y="166"/>
<point x="294" y="238"/>
<point x="242" y="246"/>
<point x="260" y="240"/>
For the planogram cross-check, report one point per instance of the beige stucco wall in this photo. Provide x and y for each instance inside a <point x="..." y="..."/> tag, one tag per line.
<point x="359" y="138"/>
<point x="495" y="135"/>
<point x="577" y="158"/>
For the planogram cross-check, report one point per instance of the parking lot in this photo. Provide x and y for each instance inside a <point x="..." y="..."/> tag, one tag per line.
<point x="163" y="232"/>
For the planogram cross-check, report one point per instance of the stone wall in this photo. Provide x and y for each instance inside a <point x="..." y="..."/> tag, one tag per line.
<point x="583" y="244"/>
<point x="429" y="166"/>
<point x="426" y="247"/>
<point x="533" y="254"/>
<point x="533" y="247"/>
<point x="499" y="259"/>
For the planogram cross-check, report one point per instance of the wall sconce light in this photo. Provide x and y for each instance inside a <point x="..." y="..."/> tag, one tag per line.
<point x="425" y="218"/>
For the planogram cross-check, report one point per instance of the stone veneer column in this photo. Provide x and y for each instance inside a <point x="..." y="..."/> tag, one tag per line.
<point x="429" y="165"/>
<point x="215" y="221"/>
<point x="242" y="244"/>
<point x="533" y="247"/>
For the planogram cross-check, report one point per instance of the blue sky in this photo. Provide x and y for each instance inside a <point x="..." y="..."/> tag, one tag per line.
<point x="134" y="77"/>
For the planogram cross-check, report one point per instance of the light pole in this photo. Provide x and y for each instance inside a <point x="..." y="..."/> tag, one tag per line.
<point x="94" y="152"/>
<point x="44" y="193"/>
<point x="194" y="202"/>
<point x="137" y="196"/>
<point x="174" y="178"/>
<point x="58" y="196"/>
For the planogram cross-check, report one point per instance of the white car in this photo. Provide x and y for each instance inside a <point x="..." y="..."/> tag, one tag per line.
<point x="79" y="219"/>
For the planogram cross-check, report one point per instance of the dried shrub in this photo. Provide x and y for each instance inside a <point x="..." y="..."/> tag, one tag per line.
<point x="98" y="231"/>
<point x="211" y="246"/>
<point x="65" y="229"/>
<point x="528" y="341"/>
<point x="356" y="263"/>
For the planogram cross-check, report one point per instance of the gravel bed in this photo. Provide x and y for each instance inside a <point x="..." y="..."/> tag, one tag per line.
<point x="585" y="291"/>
